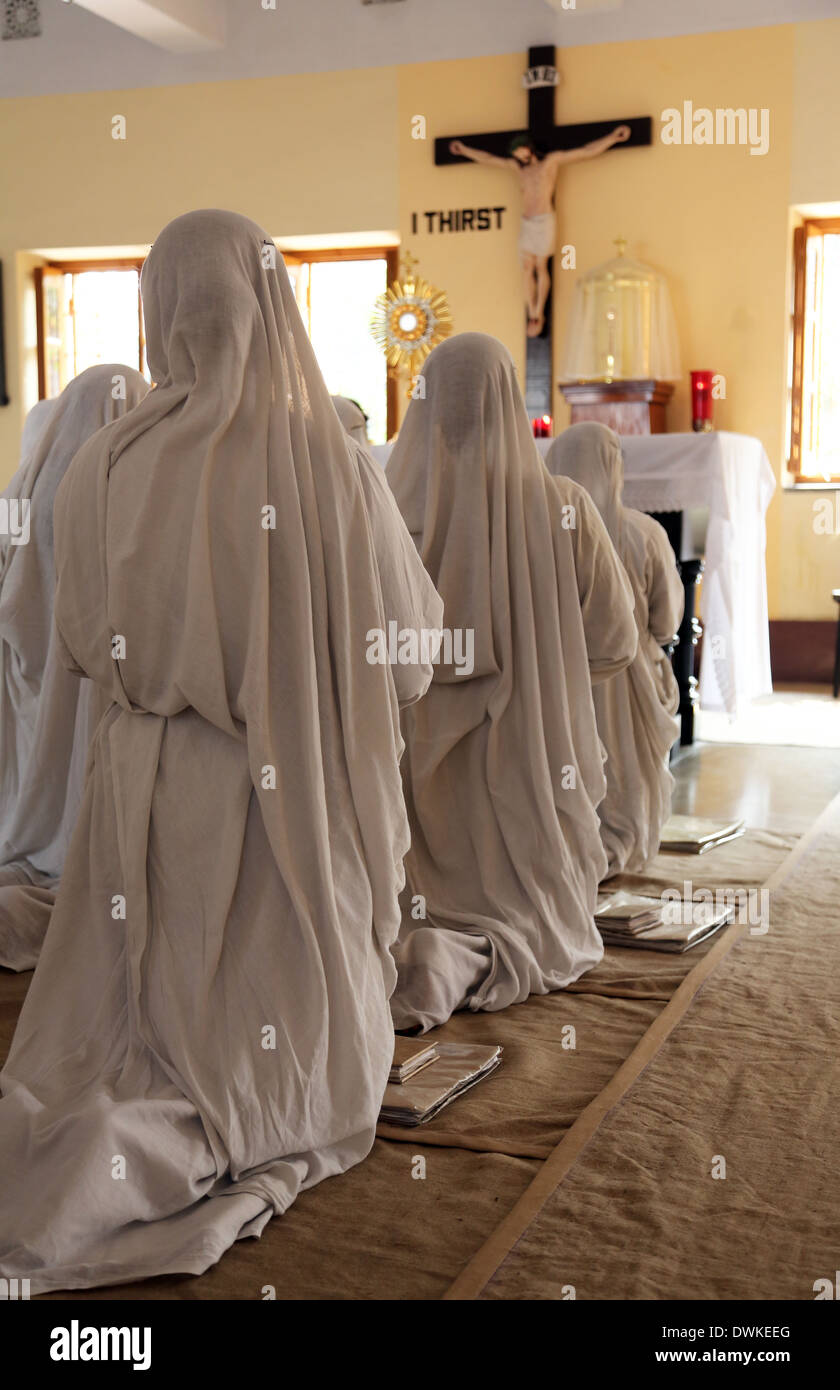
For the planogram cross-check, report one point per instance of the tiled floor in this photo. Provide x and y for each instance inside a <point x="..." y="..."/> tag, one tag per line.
<point x="803" y="716"/>
<point x="777" y="788"/>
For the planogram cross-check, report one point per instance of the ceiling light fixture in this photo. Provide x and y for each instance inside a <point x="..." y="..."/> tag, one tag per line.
<point x="21" y="19"/>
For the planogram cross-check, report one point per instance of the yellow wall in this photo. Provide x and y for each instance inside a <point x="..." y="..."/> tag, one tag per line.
<point x="479" y="270"/>
<point x="804" y="566"/>
<point x="333" y="153"/>
<point x="713" y="219"/>
<point x="300" y="155"/>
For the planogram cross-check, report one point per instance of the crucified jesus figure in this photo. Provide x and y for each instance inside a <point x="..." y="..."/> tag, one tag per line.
<point x="537" y="178"/>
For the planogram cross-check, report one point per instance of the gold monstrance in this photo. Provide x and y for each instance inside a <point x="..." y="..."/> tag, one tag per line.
<point x="409" y="319"/>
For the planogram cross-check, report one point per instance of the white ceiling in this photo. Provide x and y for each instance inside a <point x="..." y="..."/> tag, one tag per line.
<point x="80" y="51"/>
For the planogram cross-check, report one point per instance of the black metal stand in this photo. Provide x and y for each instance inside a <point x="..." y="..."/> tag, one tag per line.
<point x="690" y="629"/>
<point x="690" y="632"/>
<point x="835" y="594"/>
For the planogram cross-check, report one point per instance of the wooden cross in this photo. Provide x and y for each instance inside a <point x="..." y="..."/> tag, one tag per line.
<point x="540" y="80"/>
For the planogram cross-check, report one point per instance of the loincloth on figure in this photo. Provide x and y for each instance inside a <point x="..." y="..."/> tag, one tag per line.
<point x="537" y="235"/>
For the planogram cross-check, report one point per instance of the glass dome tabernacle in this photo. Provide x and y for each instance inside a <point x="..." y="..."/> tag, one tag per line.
<point x="622" y="325"/>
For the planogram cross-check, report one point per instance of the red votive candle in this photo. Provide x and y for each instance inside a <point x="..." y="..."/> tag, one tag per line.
<point x="542" y="427"/>
<point x="701" y="400"/>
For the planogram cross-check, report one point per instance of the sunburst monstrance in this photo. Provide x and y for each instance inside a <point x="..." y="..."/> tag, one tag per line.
<point x="410" y="318"/>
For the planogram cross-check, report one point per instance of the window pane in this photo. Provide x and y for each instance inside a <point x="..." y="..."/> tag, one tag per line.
<point x="58" y="331"/>
<point x="299" y="276"/>
<point x="341" y="299"/>
<point x="827" y="424"/>
<point x="106" y="317"/>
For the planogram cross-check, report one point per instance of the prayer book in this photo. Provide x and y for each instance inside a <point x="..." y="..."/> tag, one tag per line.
<point x="694" y="835"/>
<point x="695" y="922"/>
<point x="627" y="911"/>
<point x="456" y="1068"/>
<point x="410" y="1056"/>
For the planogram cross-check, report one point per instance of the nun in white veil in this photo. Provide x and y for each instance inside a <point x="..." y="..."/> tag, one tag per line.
<point x="35" y="424"/>
<point x="47" y="714"/>
<point x="353" y="419"/>
<point x="636" y="710"/>
<point x="503" y="769"/>
<point x="211" y="1003"/>
<point x="34" y="427"/>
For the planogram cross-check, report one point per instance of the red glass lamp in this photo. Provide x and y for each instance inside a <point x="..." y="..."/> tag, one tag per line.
<point x="701" y="401"/>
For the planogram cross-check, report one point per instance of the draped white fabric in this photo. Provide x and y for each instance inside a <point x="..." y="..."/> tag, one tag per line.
<point x="35" y="424"/>
<point x="730" y="475"/>
<point x="503" y="768"/>
<point x="352" y="418"/>
<point x="47" y="714"/>
<point x="635" y="710"/>
<point x="211" y="1004"/>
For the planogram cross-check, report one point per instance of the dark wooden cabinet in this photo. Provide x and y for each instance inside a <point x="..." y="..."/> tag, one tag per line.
<point x="628" y="407"/>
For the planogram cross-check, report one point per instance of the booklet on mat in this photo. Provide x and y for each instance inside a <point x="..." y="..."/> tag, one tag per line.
<point x="680" y="927"/>
<point x="696" y="835"/>
<point x="456" y="1068"/>
<point x="627" y="911"/>
<point x="410" y="1056"/>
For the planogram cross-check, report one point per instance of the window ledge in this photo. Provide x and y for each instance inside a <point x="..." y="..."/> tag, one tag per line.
<point x="811" y="485"/>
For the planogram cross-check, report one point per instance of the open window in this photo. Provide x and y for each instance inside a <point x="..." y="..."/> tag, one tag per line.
<point x="88" y="312"/>
<point x="814" y="377"/>
<point x="336" y="291"/>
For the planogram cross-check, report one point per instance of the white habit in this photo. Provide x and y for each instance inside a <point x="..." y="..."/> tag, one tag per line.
<point x="503" y="768"/>
<point x="352" y="418"/>
<point x="47" y="715"/>
<point x="207" y="1032"/>
<point x="636" y="708"/>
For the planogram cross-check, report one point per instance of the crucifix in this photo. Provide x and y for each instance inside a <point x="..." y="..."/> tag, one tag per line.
<point x="535" y="155"/>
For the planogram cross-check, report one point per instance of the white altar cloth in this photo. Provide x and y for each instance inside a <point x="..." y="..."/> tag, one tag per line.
<point x="730" y="475"/>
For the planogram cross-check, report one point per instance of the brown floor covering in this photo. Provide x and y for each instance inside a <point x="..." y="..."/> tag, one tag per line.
<point x="378" y="1232"/>
<point x="640" y="1214"/>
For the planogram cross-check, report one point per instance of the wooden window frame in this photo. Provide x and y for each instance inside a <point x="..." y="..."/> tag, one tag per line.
<point x="391" y="256"/>
<point x="79" y="268"/>
<point x="810" y="226"/>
